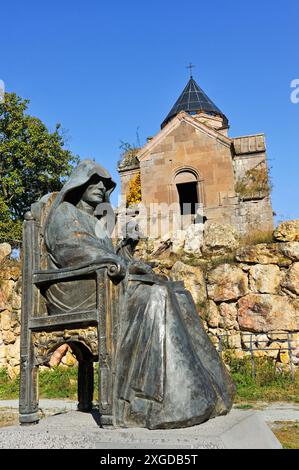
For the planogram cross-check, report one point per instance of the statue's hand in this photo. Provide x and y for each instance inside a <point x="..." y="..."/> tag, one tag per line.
<point x="139" y="267"/>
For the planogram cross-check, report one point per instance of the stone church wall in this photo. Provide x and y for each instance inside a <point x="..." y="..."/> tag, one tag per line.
<point x="180" y="149"/>
<point x="231" y="175"/>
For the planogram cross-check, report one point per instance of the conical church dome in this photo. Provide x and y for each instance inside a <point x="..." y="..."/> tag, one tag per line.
<point x="193" y="100"/>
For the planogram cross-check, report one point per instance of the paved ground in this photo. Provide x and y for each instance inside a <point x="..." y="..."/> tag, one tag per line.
<point x="278" y="411"/>
<point x="270" y="412"/>
<point x="66" y="428"/>
<point x="44" y="404"/>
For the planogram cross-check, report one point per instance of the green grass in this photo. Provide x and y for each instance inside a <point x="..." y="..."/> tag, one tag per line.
<point x="58" y="382"/>
<point x="9" y="389"/>
<point x="269" y="384"/>
<point x="244" y="406"/>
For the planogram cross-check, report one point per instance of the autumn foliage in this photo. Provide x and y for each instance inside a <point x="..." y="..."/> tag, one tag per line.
<point x="134" y="193"/>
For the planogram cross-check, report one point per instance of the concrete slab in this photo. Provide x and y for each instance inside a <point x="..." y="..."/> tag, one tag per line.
<point x="238" y="430"/>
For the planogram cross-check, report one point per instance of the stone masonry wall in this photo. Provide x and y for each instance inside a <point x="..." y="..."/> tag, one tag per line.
<point x="10" y="317"/>
<point x="243" y="291"/>
<point x="238" y="291"/>
<point x="10" y="311"/>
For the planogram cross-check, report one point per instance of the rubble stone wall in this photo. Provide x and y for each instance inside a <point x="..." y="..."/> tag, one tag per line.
<point x="10" y="311"/>
<point x="238" y="291"/>
<point x="10" y="317"/>
<point x="243" y="293"/>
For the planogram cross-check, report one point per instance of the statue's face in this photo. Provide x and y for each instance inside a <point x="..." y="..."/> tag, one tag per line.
<point x="95" y="191"/>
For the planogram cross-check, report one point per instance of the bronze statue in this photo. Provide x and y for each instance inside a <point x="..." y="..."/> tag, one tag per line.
<point x="167" y="372"/>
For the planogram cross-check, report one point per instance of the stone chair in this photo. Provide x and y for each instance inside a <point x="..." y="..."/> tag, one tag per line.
<point x="91" y="335"/>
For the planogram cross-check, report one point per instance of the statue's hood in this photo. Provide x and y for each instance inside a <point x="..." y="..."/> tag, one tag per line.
<point x="81" y="174"/>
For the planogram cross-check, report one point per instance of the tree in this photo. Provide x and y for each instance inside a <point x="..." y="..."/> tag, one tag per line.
<point x="33" y="162"/>
<point x="134" y="193"/>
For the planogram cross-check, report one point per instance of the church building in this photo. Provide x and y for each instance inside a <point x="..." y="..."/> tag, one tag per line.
<point x="192" y="162"/>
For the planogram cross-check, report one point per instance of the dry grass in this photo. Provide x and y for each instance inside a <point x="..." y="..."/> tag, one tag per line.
<point x="8" y="417"/>
<point x="255" y="237"/>
<point x="7" y="263"/>
<point x="287" y="432"/>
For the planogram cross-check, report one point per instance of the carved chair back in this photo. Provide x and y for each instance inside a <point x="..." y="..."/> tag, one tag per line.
<point x="90" y="334"/>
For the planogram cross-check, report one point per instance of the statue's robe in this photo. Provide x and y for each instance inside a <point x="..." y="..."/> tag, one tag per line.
<point x="168" y="373"/>
<point x="75" y="239"/>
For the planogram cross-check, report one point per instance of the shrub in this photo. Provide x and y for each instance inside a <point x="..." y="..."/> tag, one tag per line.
<point x="255" y="183"/>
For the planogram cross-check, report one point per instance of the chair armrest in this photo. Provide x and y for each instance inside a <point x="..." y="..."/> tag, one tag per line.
<point x="114" y="270"/>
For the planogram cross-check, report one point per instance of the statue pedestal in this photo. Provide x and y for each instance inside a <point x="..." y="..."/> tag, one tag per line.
<point x="238" y="430"/>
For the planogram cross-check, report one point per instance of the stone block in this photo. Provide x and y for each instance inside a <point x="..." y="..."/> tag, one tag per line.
<point x="213" y="315"/>
<point x="287" y="231"/>
<point x="178" y="241"/>
<point x="264" y="279"/>
<point x="263" y="253"/>
<point x="193" y="278"/>
<point x="6" y="289"/>
<point x="16" y="301"/>
<point x="194" y="239"/>
<point x="5" y="251"/>
<point x="228" y="316"/>
<point x="8" y="337"/>
<point x="261" y="341"/>
<point x="277" y="335"/>
<point x="227" y="282"/>
<point x="13" y="350"/>
<point x="290" y="250"/>
<point x="234" y="341"/>
<point x="5" y="320"/>
<point x="13" y="371"/>
<point x="220" y="238"/>
<point x="274" y="349"/>
<point x="69" y="360"/>
<point x="291" y="279"/>
<point x="3" y="353"/>
<point x="262" y="313"/>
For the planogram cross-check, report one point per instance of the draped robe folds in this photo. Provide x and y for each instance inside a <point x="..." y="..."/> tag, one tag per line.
<point x="167" y="372"/>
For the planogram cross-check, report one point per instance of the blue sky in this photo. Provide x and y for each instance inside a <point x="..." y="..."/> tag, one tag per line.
<point x="107" y="69"/>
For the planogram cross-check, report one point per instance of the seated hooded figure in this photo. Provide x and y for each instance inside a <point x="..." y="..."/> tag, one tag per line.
<point x="168" y="373"/>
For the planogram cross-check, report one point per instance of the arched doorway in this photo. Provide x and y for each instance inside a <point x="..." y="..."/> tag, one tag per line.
<point x="186" y="182"/>
<point x="84" y="366"/>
